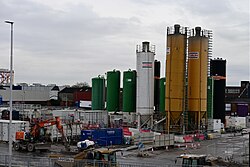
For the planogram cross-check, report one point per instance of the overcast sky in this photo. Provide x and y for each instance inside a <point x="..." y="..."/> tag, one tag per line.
<point x="68" y="41"/>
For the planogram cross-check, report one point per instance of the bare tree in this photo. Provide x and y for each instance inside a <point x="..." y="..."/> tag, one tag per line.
<point x="80" y="85"/>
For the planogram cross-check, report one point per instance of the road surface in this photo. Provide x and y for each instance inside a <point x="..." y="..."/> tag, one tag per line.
<point x="228" y="146"/>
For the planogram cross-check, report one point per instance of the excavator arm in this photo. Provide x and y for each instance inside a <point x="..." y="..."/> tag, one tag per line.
<point x="50" y="122"/>
<point x="60" y="129"/>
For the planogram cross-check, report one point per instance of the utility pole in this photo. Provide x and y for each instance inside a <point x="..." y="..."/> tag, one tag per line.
<point x="11" y="84"/>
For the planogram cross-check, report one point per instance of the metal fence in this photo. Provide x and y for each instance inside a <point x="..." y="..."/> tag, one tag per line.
<point x="237" y="150"/>
<point x="232" y="148"/>
<point x="27" y="161"/>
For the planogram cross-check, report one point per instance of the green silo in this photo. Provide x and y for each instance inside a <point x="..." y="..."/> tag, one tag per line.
<point x="210" y="89"/>
<point x="162" y="95"/>
<point x="113" y="90"/>
<point x="98" y="88"/>
<point x="129" y="91"/>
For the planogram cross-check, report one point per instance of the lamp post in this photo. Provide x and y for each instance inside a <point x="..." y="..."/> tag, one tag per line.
<point x="11" y="84"/>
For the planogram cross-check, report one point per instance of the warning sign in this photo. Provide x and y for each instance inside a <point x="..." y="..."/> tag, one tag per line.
<point x="146" y="64"/>
<point x="193" y="55"/>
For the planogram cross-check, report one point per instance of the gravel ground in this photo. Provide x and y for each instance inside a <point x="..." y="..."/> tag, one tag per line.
<point x="228" y="146"/>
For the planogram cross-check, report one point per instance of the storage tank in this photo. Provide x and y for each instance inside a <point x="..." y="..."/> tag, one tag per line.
<point x="162" y="94"/>
<point x="157" y="76"/>
<point x="98" y="88"/>
<point x="145" y="84"/>
<point x="175" y="77"/>
<point x="113" y="90"/>
<point x="197" y="78"/>
<point x="129" y="91"/>
<point x="218" y="72"/>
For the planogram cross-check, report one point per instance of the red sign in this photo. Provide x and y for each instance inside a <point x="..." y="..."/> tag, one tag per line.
<point x="126" y="132"/>
<point x="146" y="64"/>
<point x="193" y="55"/>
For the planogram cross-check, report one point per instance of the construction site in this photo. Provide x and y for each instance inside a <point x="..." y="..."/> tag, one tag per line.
<point x="186" y="111"/>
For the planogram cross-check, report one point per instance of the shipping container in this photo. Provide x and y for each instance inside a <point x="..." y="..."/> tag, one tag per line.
<point x="235" y="123"/>
<point x="16" y="126"/>
<point x="103" y="137"/>
<point x="214" y="125"/>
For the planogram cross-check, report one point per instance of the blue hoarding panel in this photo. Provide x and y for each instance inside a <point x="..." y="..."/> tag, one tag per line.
<point x="86" y="134"/>
<point x="104" y="137"/>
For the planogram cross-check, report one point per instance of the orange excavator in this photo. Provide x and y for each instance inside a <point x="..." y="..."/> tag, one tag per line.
<point x="36" y="138"/>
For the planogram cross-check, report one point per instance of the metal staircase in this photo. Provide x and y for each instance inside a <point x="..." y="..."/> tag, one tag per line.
<point x="185" y="110"/>
<point x="210" y="44"/>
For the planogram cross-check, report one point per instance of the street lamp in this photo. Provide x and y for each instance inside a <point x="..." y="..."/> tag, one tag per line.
<point x="11" y="84"/>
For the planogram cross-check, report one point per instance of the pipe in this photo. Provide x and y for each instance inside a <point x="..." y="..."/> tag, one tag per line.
<point x="177" y="29"/>
<point x="145" y="46"/>
<point x="197" y="31"/>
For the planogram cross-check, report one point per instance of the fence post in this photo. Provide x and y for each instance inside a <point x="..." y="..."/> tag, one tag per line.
<point x="6" y="160"/>
<point x="49" y="162"/>
<point x="28" y="159"/>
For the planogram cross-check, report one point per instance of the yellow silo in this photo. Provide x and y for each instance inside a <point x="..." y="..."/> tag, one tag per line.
<point x="197" y="78"/>
<point x="175" y="78"/>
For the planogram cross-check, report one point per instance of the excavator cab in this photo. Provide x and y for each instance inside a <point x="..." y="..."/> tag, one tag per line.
<point x="37" y="138"/>
<point x="191" y="160"/>
<point x="106" y="155"/>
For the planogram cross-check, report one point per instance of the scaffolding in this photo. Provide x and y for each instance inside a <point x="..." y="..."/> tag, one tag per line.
<point x="5" y="76"/>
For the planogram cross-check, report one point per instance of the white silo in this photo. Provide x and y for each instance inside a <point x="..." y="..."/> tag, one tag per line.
<point x="145" y="85"/>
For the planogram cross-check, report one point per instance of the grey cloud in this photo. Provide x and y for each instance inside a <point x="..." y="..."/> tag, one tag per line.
<point x="76" y="39"/>
<point x="236" y="73"/>
<point x="46" y="29"/>
<point x="75" y="44"/>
